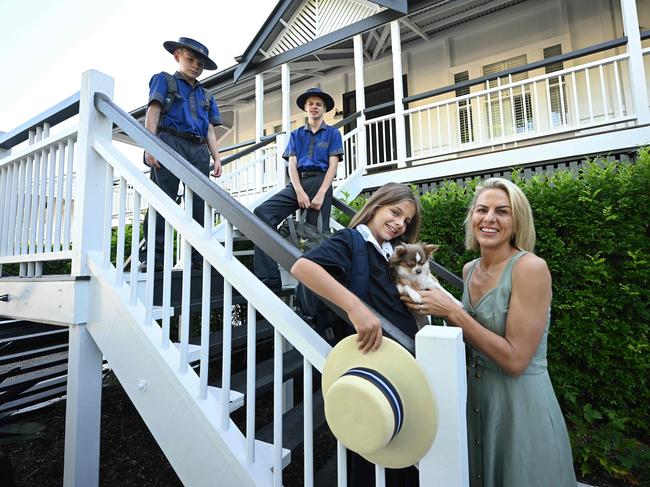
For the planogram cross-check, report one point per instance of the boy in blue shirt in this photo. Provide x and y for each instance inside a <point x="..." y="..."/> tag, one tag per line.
<point x="182" y="113"/>
<point x="313" y="152"/>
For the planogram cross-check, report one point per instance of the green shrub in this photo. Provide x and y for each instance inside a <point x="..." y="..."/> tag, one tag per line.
<point x="592" y="229"/>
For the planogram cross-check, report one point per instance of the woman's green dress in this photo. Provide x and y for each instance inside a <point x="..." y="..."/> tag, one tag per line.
<point x="516" y="433"/>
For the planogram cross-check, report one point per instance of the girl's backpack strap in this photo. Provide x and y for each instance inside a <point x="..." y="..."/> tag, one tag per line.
<point x="359" y="270"/>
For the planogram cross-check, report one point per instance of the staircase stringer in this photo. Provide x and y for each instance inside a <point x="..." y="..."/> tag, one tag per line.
<point x="184" y="426"/>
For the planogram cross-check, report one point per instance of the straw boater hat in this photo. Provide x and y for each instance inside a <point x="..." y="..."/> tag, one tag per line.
<point x="379" y="404"/>
<point x="195" y="46"/>
<point x="327" y="99"/>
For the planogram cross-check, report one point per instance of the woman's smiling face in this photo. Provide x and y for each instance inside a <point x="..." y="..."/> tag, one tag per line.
<point x="492" y="218"/>
<point x="390" y="221"/>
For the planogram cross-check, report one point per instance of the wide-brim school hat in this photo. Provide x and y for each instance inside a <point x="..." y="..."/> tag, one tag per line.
<point x="379" y="404"/>
<point x="329" y="101"/>
<point x="195" y="46"/>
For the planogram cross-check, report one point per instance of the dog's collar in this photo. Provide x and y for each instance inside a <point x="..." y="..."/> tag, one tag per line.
<point x="385" y="249"/>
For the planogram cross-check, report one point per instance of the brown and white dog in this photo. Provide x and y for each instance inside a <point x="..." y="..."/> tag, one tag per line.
<point x="409" y="269"/>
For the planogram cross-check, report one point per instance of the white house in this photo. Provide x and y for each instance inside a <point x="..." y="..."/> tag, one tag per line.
<point x="480" y="85"/>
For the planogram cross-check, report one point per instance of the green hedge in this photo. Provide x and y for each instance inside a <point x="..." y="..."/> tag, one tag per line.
<point x="592" y="229"/>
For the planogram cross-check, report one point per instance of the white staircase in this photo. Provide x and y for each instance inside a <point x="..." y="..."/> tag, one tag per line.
<point x="112" y="314"/>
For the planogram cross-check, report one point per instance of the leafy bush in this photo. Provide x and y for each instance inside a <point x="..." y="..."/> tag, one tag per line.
<point x="592" y="229"/>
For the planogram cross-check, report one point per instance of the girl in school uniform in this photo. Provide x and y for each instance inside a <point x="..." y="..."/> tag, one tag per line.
<point x="391" y="214"/>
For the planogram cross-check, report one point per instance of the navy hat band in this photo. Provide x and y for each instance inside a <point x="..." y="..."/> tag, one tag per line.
<point x="387" y="389"/>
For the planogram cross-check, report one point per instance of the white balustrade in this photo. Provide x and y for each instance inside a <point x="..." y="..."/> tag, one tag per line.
<point x="576" y="98"/>
<point x="37" y="197"/>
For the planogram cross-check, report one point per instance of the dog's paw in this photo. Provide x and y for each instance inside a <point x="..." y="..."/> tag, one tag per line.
<point x="414" y="295"/>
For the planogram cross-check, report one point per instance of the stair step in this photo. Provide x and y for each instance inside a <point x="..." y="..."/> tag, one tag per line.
<point x="292" y="364"/>
<point x="292" y="424"/>
<point x="193" y="352"/>
<point x="236" y="398"/>
<point x="265" y="450"/>
<point x="239" y="334"/>
<point x="328" y="474"/>
<point x="157" y="312"/>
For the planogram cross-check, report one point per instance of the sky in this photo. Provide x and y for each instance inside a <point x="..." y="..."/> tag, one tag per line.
<point x="44" y="55"/>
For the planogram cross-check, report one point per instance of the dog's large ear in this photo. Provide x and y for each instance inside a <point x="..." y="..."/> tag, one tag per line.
<point x="430" y="249"/>
<point x="399" y="251"/>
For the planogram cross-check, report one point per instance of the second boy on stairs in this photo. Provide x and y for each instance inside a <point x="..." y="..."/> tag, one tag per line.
<point x="313" y="152"/>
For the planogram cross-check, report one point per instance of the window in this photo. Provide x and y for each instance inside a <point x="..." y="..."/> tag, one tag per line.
<point x="556" y="87"/>
<point x="465" y="121"/>
<point x="509" y="111"/>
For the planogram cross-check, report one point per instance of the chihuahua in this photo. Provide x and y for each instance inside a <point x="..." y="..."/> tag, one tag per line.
<point x="409" y="269"/>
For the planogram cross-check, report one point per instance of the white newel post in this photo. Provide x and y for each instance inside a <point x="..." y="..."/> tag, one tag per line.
<point x="282" y="140"/>
<point x="637" y="73"/>
<point x="3" y="153"/>
<point x="398" y="91"/>
<point x="360" y="98"/>
<point x="441" y="352"/>
<point x="83" y="402"/>
<point x="259" y="130"/>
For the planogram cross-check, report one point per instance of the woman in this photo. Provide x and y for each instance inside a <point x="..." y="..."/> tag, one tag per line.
<point x="516" y="432"/>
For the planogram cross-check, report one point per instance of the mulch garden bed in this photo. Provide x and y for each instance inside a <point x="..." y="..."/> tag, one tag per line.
<point x="130" y="456"/>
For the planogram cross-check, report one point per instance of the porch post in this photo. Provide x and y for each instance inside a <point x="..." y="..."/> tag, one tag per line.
<point x="360" y="98"/>
<point x="398" y="90"/>
<point x="283" y="140"/>
<point x="6" y="153"/>
<point x="83" y="409"/>
<point x="441" y="353"/>
<point x="84" y="388"/>
<point x="637" y="73"/>
<point x="259" y="130"/>
<point x="87" y="229"/>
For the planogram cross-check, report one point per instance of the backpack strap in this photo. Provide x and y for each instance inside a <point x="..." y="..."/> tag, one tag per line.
<point x="172" y="94"/>
<point x="359" y="269"/>
<point x="207" y="96"/>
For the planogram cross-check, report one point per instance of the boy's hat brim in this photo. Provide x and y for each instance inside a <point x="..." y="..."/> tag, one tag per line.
<point x="302" y="99"/>
<point x="193" y="45"/>
<point x="353" y="421"/>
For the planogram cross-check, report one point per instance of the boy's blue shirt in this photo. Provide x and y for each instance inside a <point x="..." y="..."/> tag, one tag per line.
<point x="313" y="150"/>
<point x="187" y="113"/>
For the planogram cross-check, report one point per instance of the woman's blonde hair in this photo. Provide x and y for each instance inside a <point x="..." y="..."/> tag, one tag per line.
<point x="391" y="194"/>
<point x="523" y="227"/>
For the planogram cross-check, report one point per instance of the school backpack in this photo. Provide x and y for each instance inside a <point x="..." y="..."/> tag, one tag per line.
<point x="172" y="94"/>
<point x="317" y="314"/>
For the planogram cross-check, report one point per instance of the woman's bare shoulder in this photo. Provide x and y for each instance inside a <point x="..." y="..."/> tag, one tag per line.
<point x="530" y="265"/>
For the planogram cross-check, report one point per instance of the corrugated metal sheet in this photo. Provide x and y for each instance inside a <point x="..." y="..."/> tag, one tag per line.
<point x="316" y="18"/>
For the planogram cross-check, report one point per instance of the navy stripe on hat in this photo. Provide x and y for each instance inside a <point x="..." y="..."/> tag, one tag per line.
<point x="387" y="389"/>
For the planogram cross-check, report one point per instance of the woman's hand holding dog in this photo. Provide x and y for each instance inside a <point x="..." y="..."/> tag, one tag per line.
<point x="434" y="302"/>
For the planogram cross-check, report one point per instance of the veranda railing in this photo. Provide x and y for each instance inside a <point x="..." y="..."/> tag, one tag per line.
<point x="509" y="112"/>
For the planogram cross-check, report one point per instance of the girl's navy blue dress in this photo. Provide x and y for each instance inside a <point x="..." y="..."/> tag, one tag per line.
<point x="335" y="256"/>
